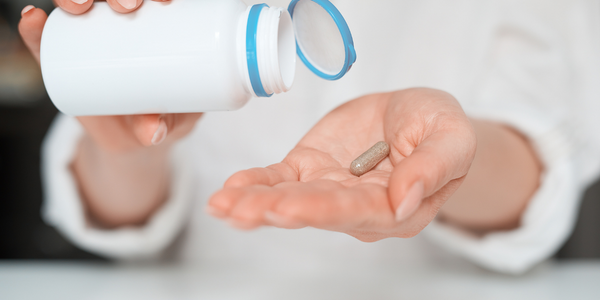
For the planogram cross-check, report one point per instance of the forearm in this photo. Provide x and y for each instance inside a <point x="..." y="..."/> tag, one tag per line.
<point x="121" y="188"/>
<point x="503" y="177"/>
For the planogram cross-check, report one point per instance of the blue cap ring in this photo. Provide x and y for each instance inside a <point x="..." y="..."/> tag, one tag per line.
<point x="346" y="37"/>
<point x="251" y="52"/>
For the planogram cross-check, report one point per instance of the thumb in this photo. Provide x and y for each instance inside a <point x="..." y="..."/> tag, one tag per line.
<point x="150" y="129"/>
<point x="155" y="128"/>
<point x="438" y="160"/>
<point x="31" y="27"/>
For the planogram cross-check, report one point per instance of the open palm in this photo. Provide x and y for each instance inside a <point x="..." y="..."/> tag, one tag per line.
<point x="432" y="145"/>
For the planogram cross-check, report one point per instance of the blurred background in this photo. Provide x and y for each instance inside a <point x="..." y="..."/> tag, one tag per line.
<point x="25" y="115"/>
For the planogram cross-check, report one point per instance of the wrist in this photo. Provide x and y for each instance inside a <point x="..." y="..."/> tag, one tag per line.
<point x="503" y="177"/>
<point x="121" y="188"/>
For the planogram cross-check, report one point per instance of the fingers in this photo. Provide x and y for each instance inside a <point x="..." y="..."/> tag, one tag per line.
<point x="268" y="176"/>
<point x="153" y="130"/>
<point x="124" y="6"/>
<point x="179" y="125"/>
<point x="78" y="7"/>
<point x="31" y="27"/>
<point x="440" y="158"/>
<point x="250" y="186"/>
<point x="324" y="204"/>
<point x="327" y="204"/>
<point x="110" y="133"/>
<point x="75" y="7"/>
<point x="248" y="208"/>
<point x="124" y="133"/>
<point x="33" y="19"/>
<point x="432" y="143"/>
<point x="249" y="211"/>
<point x="149" y="129"/>
<point x="248" y="194"/>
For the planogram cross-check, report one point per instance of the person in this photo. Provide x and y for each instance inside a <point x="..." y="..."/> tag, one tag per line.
<point x="490" y="165"/>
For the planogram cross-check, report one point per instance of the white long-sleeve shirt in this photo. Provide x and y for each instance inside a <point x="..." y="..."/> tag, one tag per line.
<point x="530" y="64"/>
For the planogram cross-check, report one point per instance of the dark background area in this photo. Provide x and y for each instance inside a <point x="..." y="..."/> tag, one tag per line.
<point x="25" y="115"/>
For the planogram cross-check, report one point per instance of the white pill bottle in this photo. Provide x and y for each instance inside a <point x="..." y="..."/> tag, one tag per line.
<point x="187" y="55"/>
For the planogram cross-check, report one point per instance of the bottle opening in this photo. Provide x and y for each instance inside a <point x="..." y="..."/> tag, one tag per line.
<point x="276" y="50"/>
<point x="270" y="51"/>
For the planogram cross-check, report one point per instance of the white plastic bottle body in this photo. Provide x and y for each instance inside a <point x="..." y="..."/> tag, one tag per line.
<point x="175" y="57"/>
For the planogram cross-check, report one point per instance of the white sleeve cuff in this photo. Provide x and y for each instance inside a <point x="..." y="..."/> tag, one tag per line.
<point x="550" y="214"/>
<point x="63" y="207"/>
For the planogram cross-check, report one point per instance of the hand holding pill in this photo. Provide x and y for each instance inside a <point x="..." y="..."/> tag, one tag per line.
<point x="431" y="146"/>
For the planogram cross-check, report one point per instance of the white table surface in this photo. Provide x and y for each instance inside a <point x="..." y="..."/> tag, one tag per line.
<point x="73" y="280"/>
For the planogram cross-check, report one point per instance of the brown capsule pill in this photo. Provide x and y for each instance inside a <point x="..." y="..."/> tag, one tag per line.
<point x="368" y="160"/>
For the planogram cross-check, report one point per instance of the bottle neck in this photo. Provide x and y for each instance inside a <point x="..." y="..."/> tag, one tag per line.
<point x="267" y="48"/>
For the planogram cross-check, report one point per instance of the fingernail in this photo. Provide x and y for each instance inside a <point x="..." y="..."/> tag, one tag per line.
<point x="128" y="4"/>
<point x="160" y="134"/>
<point x="26" y="9"/>
<point x="79" y="1"/>
<point x="411" y="201"/>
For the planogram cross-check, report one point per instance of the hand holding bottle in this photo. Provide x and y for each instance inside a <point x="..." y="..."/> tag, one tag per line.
<point x="111" y="132"/>
<point x="115" y="150"/>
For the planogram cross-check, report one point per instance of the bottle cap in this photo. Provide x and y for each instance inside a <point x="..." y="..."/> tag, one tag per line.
<point x="323" y="40"/>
